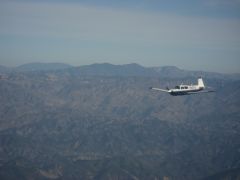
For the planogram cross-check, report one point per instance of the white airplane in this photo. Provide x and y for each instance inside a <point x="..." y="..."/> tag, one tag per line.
<point x="186" y="89"/>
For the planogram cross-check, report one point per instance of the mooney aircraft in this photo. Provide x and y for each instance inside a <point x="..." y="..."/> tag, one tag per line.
<point x="186" y="89"/>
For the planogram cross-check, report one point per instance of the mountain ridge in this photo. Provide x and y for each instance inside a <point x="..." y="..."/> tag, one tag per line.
<point x="107" y="69"/>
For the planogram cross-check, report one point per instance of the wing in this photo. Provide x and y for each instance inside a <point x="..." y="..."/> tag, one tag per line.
<point x="157" y="89"/>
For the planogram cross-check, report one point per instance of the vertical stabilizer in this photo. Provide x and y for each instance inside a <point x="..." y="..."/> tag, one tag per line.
<point x="200" y="83"/>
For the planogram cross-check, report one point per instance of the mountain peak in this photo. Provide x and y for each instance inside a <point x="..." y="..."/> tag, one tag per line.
<point x="42" y="66"/>
<point x="106" y="69"/>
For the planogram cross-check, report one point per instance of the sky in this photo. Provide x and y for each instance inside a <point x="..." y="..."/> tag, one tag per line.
<point x="190" y="34"/>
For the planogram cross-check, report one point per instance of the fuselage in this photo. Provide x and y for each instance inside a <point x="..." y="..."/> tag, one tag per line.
<point x="185" y="89"/>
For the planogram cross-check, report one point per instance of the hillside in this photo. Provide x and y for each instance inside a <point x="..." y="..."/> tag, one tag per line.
<point x="74" y="124"/>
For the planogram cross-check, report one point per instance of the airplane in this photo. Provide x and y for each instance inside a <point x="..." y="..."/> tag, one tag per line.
<point x="186" y="89"/>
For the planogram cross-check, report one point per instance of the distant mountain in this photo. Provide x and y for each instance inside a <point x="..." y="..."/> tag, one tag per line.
<point x="106" y="69"/>
<point x="42" y="66"/>
<point x="170" y="71"/>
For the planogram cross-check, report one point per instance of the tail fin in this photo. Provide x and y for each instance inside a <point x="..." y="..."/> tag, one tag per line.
<point x="200" y="82"/>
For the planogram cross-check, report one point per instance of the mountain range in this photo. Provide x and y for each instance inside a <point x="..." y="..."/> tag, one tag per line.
<point x="101" y="121"/>
<point x="106" y="69"/>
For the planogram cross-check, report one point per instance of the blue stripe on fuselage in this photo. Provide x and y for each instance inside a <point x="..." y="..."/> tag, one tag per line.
<point x="182" y="93"/>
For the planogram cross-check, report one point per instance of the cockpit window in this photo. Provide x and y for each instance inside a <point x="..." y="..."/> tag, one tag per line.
<point x="177" y="87"/>
<point x="182" y="87"/>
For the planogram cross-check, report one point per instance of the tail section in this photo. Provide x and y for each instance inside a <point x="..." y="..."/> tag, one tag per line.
<point x="200" y="83"/>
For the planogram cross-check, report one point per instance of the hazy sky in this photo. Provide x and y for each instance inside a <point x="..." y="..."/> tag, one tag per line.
<point x="190" y="34"/>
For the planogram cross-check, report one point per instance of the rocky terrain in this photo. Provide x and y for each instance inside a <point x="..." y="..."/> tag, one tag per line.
<point x="102" y="122"/>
